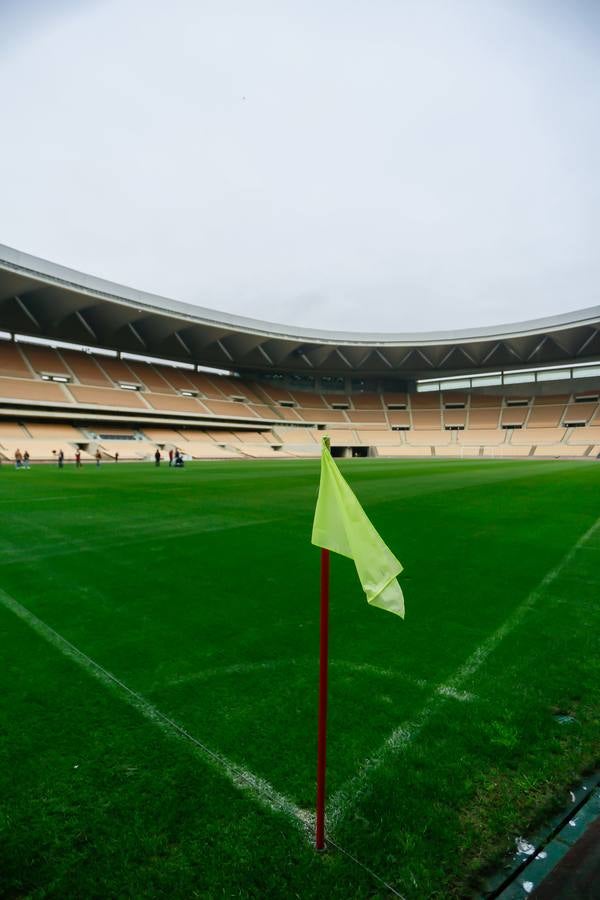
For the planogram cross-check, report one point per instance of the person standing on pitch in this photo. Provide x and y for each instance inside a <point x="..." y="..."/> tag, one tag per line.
<point x="26" y="459"/>
<point x="78" y="458"/>
<point x="157" y="457"/>
<point x="116" y="456"/>
<point x="18" y="458"/>
<point x="98" y="457"/>
<point x="171" y="457"/>
<point x="61" y="459"/>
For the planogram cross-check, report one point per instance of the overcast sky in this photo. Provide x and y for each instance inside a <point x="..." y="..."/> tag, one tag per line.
<point x="352" y="164"/>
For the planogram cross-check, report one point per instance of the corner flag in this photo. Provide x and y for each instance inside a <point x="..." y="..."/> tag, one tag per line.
<point x="340" y="525"/>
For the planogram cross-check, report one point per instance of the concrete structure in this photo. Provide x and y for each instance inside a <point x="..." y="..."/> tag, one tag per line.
<point x="40" y="298"/>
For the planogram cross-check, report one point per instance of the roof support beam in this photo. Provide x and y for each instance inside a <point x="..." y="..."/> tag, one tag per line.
<point x="181" y="341"/>
<point x="136" y="334"/>
<point x="222" y="347"/>
<point x="265" y="354"/>
<point x="86" y="325"/>
<point x="538" y="347"/>
<point x="490" y="353"/>
<point x="384" y="358"/>
<point x="24" y="308"/>
<point x="587" y="342"/>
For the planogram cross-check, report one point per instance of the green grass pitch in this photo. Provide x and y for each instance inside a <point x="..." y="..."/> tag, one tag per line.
<point x="198" y="590"/>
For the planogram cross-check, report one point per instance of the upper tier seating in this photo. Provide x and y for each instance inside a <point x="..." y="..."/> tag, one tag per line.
<point x="579" y="412"/>
<point x="366" y="401"/>
<point x="485" y="419"/>
<point x="39" y="392"/>
<point x="426" y="419"/>
<point x="117" y="370"/>
<point x="45" y="360"/>
<point x="151" y="378"/>
<point x="85" y="368"/>
<point x="12" y="362"/>
<point x="93" y="396"/>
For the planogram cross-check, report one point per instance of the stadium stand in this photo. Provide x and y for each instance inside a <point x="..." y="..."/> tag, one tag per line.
<point x="166" y="402"/>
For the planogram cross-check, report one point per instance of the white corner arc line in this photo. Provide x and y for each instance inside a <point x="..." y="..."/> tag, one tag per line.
<point x="405" y="733"/>
<point x="241" y="778"/>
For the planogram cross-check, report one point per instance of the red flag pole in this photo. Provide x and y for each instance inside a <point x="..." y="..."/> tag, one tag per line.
<point x="322" y="739"/>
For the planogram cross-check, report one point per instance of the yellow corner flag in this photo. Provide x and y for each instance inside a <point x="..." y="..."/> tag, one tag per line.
<point x="340" y="525"/>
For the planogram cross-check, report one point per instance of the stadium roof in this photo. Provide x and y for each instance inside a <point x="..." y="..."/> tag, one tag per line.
<point x="42" y="299"/>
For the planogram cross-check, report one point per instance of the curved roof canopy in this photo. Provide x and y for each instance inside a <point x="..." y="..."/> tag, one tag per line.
<point x="42" y="299"/>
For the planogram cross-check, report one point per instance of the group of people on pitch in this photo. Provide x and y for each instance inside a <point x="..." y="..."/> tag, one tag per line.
<point x="21" y="459"/>
<point x="175" y="458"/>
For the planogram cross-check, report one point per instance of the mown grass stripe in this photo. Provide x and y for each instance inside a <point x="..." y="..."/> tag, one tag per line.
<point x="401" y="737"/>
<point x="240" y="777"/>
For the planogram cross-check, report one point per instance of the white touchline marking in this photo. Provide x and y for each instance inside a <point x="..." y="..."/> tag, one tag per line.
<point x="444" y="690"/>
<point x="405" y="733"/>
<point x="241" y="778"/>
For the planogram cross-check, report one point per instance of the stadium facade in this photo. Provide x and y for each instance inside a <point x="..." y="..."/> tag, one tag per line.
<point x="80" y="351"/>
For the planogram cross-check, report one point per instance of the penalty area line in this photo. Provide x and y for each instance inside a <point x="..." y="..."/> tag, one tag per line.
<point x="239" y="777"/>
<point x="404" y="734"/>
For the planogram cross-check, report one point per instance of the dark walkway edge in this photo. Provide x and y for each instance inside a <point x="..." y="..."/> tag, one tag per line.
<point x="577" y="875"/>
<point x="533" y="862"/>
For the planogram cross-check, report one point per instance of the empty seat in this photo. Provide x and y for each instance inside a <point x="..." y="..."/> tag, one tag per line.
<point x="46" y="360"/>
<point x="163" y="435"/>
<point x="150" y="377"/>
<point x="559" y="450"/>
<point x="515" y="415"/>
<point x="105" y="397"/>
<point x="545" y="416"/>
<point x="322" y="415"/>
<point x="438" y="438"/>
<point x="484" y="418"/>
<point x="402" y="450"/>
<point x="229" y="408"/>
<point x="377" y="438"/>
<point x="129" y="449"/>
<point x="51" y="431"/>
<point x="426" y="419"/>
<point x="477" y="436"/>
<point x="537" y="435"/>
<point x="117" y="370"/>
<point x="177" y="378"/>
<point x="85" y="369"/>
<point x="587" y="435"/>
<point x="579" y="412"/>
<point x="12" y="431"/>
<point x="366" y="401"/>
<point x="366" y="415"/>
<point x="455" y="417"/>
<point x="33" y="391"/>
<point x="308" y="399"/>
<point x="485" y="401"/>
<point x="12" y="362"/>
<point x="176" y="403"/>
